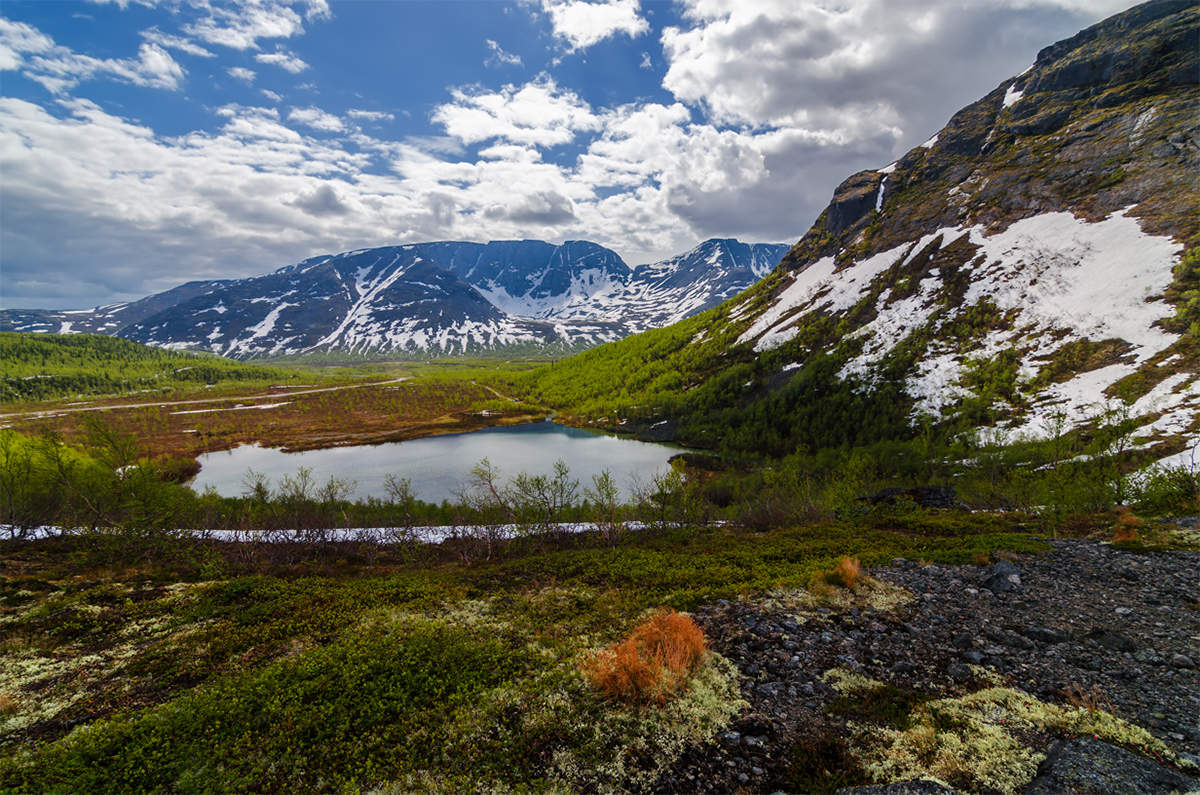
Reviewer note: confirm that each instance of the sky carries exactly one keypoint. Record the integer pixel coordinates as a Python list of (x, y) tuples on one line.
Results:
[(145, 143)]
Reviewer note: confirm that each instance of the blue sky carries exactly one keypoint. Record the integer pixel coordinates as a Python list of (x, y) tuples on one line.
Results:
[(144, 143)]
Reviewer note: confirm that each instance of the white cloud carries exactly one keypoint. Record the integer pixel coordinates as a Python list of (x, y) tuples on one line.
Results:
[(241, 73), (316, 119), (538, 113), (499, 56), (370, 115), (771, 112), (582, 23), (58, 68), (240, 26), (272, 95), (180, 43), (853, 71), (17, 40), (284, 59)]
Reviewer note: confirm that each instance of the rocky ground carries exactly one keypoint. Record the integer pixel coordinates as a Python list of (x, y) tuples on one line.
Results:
[(1085, 624)]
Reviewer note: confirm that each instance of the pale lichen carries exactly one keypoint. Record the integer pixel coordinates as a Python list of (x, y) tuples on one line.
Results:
[(974, 741)]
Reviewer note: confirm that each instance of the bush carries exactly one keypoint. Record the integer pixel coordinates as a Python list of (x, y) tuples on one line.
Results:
[(653, 663), (846, 573)]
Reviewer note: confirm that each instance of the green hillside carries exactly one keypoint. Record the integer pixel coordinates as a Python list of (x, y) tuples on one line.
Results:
[(896, 281), (47, 366)]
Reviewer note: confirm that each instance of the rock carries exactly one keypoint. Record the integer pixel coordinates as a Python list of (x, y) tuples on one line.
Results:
[(963, 641), (1111, 639), (1046, 635), (1182, 661), (853, 200), (924, 496), (1090, 767), (1006, 568), (1000, 583), (729, 738), (974, 657), (900, 788), (958, 672)]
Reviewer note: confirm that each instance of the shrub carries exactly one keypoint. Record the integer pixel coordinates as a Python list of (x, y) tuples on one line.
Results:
[(846, 573), (653, 663), (1126, 526)]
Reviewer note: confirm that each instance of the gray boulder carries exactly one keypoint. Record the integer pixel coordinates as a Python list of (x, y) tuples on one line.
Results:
[(1091, 767)]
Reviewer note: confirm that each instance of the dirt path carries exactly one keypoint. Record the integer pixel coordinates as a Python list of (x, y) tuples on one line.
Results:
[(33, 415), (496, 392)]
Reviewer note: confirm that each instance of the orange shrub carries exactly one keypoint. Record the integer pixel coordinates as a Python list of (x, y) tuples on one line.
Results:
[(653, 663), (846, 573), (1126, 527)]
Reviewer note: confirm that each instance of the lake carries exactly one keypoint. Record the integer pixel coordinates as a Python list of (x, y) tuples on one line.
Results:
[(439, 465)]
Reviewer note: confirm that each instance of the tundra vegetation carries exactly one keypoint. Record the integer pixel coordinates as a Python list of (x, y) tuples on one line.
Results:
[(138, 647)]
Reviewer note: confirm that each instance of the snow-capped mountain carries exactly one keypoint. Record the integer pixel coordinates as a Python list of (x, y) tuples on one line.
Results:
[(1032, 265), (440, 298)]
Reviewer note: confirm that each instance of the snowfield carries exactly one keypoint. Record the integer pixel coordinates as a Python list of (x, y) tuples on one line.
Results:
[(1061, 277)]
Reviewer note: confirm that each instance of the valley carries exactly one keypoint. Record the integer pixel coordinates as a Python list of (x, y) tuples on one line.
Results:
[(912, 505)]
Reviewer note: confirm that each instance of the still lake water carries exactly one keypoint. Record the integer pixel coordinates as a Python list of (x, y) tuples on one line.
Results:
[(439, 465)]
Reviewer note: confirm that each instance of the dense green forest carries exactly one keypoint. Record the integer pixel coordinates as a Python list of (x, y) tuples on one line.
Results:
[(47, 366)]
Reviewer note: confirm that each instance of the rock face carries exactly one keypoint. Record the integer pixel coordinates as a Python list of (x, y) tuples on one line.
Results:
[(446, 297), (1090, 767)]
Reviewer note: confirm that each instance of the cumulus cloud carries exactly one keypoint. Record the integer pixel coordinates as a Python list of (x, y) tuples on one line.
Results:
[(317, 119), (322, 201), (773, 103), (172, 42), (241, 73), (58, 68), (849, 71), (582, 23), (271, 95), (239, 26), (284, 59), (370, 115), (539, 113), (499, 56)]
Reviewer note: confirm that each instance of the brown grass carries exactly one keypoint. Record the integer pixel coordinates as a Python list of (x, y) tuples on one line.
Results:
[(846, 573), (1126, 526), (8, 704), (1093, 699), (652, 664), (365, 415)]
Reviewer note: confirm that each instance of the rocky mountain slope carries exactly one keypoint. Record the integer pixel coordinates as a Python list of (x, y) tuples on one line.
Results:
[(446, 297), (1032, 264)]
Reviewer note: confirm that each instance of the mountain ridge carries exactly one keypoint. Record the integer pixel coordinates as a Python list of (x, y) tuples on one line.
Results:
[(443, 297)]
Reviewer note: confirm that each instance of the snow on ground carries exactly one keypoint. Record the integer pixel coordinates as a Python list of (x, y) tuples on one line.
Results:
[(1059, 273), (817, 286), (434, 534), (929, 144), (935, 386), (1062, 406), (234, 408), (1100, 280), (1013, 95)]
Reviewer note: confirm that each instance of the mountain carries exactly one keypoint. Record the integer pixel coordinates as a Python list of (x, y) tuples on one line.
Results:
[(1031, 265), (443, 297)]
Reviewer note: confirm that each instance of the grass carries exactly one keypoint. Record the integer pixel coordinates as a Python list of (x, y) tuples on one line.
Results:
[(338, 676), (654, 663), (355, 412)]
